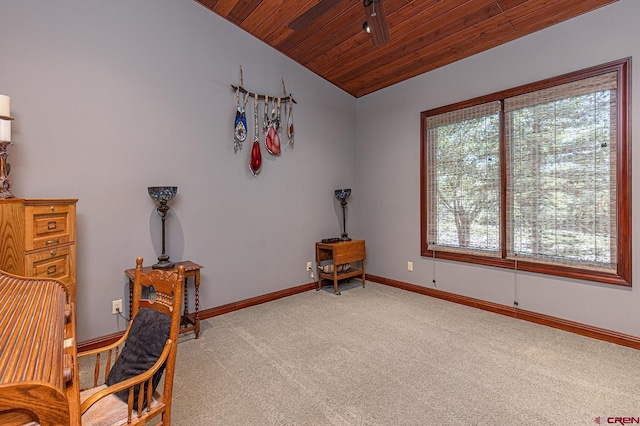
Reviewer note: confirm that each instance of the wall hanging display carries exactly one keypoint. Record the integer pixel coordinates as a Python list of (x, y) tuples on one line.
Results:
[(271, 124)]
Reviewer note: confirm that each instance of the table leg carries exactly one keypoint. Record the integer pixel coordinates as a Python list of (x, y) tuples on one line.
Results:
[(130, 297), (335, 281), (186, 298), (196, 280)]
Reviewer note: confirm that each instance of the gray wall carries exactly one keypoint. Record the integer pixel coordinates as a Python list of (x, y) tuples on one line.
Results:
[(112, 97), (388, 168)]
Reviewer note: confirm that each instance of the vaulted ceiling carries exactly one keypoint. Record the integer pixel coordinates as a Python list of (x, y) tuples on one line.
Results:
[(326, 36)]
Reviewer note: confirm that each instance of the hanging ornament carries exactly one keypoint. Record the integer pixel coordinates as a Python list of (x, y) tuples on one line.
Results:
[(275, 116), (240, 123), (255, 164), (290, 122), (240, 127), (272, 124)]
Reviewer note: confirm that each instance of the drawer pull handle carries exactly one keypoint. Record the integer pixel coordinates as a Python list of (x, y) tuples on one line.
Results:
[(51, 226), (53, 208), (56, 241), (52, 252), (52, 269)]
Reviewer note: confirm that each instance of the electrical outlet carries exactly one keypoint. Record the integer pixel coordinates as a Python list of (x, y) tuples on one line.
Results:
[(116, 306), (410, 266), (309, 267)]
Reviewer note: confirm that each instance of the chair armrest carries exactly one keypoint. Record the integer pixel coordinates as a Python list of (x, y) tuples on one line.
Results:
[(129, 383), (105, 348), (108, 350)]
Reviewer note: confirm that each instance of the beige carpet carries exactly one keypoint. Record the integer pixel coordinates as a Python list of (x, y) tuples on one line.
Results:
[(384, 356)]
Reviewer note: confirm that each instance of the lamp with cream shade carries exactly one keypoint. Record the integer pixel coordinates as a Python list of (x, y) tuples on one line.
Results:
[(5, 140)]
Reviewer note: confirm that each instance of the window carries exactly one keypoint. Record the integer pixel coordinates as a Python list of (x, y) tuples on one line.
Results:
[(463, 180), (535, 178)]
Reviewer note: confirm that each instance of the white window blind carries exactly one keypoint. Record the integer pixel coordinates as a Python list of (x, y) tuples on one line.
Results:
[(463, 180), (561, 174)]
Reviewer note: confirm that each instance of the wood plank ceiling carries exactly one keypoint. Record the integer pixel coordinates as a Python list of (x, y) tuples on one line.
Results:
[(425, 34)]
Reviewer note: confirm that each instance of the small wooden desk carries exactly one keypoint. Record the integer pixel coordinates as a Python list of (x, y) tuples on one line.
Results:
[(191, 269), (38, 356), (340, 253)]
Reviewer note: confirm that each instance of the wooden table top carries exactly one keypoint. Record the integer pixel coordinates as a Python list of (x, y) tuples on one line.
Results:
[(189, 266)]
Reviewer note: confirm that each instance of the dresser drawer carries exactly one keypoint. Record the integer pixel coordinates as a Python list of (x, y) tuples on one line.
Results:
[(48, 226), (54, 263)]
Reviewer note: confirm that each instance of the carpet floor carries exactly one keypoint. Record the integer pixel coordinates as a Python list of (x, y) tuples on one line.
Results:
[(384, 356)]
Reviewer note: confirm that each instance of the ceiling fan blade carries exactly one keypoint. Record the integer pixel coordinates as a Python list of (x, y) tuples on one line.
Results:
[(312, 14), (377, 20)]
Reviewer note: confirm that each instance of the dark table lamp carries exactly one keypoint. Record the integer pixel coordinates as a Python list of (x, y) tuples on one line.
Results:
[(342, 195), (162, 195)]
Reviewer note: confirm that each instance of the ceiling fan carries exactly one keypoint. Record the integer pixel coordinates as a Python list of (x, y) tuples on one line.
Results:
[(375, 24)]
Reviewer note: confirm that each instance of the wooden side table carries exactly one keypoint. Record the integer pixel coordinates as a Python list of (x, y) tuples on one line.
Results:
[(340, 253), (191, 269)]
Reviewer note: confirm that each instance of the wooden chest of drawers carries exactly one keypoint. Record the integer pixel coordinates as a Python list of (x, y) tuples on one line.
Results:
[(38, 239)]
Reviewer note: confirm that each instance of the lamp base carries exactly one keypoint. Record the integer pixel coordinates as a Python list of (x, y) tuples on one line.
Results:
[(5, 193), (345, 237), (5, 168), (163, 263)]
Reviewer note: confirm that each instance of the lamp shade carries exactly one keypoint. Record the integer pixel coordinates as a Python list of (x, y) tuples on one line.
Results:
[(343, 194), (162, 194)]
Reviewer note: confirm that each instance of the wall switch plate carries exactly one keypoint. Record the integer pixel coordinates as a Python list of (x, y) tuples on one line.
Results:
[(309, 267), (116, 306), (410, 266)]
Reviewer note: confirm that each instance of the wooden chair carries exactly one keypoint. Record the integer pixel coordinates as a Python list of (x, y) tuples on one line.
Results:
[(101, 404)]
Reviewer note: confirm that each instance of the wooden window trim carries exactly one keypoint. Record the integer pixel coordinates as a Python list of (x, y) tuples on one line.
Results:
[(623, 177)]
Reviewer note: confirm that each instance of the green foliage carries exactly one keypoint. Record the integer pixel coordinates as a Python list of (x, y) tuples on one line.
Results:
[(560, 159), (468, 180), (561, 178)]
